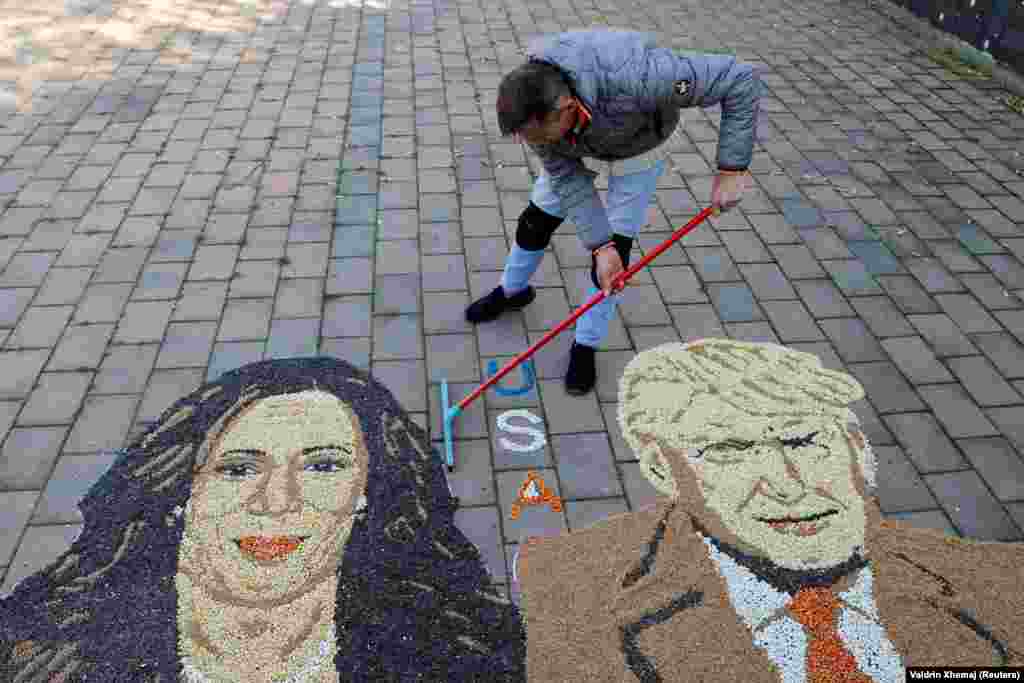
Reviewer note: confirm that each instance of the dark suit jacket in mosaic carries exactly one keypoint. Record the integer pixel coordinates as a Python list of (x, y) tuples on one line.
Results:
[(942, 601)]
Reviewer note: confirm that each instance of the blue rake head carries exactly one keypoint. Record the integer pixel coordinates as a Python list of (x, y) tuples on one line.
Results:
[(448, 416)]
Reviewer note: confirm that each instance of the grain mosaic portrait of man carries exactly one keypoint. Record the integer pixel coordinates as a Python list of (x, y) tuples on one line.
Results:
[(766, 557), (287, 522)]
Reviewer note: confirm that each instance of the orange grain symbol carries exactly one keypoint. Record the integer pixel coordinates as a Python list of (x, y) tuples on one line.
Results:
[(534, 492)]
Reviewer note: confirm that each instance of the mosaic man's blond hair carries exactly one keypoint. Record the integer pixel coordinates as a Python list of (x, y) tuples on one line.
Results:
[(749, 379)]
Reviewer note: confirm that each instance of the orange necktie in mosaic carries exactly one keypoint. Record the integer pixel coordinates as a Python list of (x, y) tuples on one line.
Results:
[(828, 660)]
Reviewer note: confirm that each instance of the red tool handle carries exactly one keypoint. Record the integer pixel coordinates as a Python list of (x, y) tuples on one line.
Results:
[(617, 285)]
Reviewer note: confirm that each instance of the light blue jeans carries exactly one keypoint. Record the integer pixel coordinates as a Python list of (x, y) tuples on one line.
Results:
[(628, 198)]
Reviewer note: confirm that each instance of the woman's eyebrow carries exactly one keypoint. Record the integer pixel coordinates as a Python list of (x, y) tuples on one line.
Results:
[(331, 447)]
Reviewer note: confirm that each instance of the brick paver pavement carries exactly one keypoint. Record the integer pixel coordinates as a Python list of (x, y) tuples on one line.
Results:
[(344, 190)]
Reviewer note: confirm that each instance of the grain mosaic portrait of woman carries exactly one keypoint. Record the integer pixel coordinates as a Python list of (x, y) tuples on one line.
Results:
[(287, 522)]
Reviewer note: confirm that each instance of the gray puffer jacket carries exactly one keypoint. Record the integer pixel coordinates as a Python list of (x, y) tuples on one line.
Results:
[(634, 91)]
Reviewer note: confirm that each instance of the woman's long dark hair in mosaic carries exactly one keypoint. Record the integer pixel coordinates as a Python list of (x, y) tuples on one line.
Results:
[(414, 601)]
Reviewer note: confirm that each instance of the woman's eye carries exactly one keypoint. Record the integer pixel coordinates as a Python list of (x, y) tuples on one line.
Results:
[(327, 466)]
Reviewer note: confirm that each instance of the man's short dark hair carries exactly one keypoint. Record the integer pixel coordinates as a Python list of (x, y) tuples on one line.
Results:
[(531, 91)]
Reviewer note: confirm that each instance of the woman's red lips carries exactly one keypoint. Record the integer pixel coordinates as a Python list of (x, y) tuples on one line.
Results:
[(265, 548)]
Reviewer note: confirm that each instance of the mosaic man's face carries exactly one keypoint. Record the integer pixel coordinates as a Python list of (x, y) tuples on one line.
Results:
[(782, 489), (271, 509)]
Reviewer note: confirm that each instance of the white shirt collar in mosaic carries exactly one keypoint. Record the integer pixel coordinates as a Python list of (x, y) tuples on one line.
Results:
[(194, 675), (785, 641)]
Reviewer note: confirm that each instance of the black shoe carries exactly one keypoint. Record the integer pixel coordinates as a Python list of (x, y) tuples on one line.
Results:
[(494, 304), (582, 373)]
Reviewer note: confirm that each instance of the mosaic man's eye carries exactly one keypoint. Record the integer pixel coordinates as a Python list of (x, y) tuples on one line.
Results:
[(236, 470)]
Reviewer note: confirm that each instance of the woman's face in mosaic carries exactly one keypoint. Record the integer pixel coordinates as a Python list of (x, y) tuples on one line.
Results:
[(271, 509)]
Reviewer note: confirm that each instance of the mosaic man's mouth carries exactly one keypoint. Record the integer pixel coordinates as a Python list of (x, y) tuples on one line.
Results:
[(807, 525)]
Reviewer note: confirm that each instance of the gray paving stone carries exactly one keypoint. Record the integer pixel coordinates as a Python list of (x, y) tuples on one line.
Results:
[(56, 398), (19, 371), (472, 482), (102, 424), (264, 243), (164, 388), (699, 321), (586, 466), (187, 345), (586, 513), (734, 302), (397, 257), (534, 520), (648, 337), (347, 317), (852, 277), (916, 360), (925, 519), (752, 332), (972, 508), (349, 276), (27, 457), (1010, 421), (17, 508), (774, 228), (452, 357), (956, 411), (549, 309), (909, 296), (293, 338), (983, 381), (200, 301), (213, 262), (8, 412), (82, 346), (72, 478), (143, 321), (444, 273), (255, 279), (900, 487), (125, 369), (999, 464), (1004, 351), (565, 413), (482, 528), (13, 303), (1007, 270), (29, 269), (713, 264), (229, 356), (304, 260), (504, 336), (886, 388), (967, 313), (882, 316), (639, 491), (120, 265), (246, 320), (299, 298), (746, 247), (397, 337), (40, 327), (440, 238), (355, 350), (445, 312), (767, 281), (852, 340), (610, 365), (942, 334), (823, 299), (924, 442), (40, 546), (62, 286)]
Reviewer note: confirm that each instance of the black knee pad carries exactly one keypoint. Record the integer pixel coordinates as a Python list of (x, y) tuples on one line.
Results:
[(623, 245), (535, 228)]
